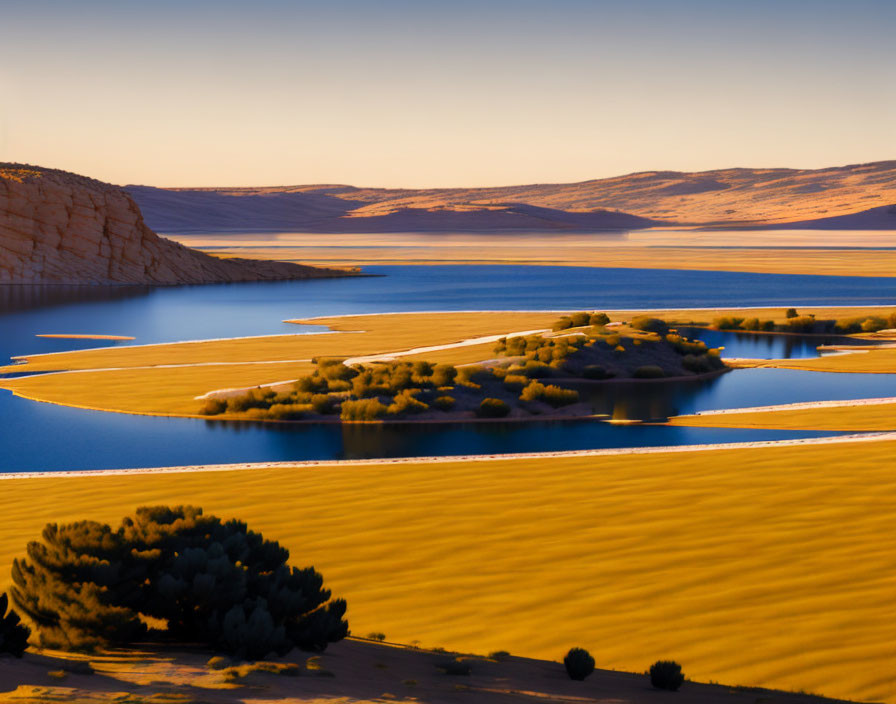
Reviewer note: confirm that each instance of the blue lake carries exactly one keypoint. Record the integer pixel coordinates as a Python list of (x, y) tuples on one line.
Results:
[(37, 436)]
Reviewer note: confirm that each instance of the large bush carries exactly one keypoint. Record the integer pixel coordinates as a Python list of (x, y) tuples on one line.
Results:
[(86, 585), (579, 663), (492, 408), (13, 634)]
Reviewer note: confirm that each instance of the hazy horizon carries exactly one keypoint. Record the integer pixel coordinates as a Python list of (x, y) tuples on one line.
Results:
[(427, 94)]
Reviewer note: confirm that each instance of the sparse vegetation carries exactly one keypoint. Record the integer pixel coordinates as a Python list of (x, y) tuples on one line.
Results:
[(86, 585), (666, 674), (518, 383), (455, 666), (808, 324), (578, 663)]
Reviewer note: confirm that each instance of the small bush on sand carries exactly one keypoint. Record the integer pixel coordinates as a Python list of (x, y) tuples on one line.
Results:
[(213, 407), (790, 313), (377, 636), (578, 663), (648, 324), (444, 403), (362, 409), (599, 319), (666, 674), (557, 396), (492, 408)]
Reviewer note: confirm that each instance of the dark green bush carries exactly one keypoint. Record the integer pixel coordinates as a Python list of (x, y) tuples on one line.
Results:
[(599, 319), (649, 371), (791, 313), (444, 403), (213, 407), (728, 322), (579, 664), (563, 323), (362, 409), (874, 323), (648, 324), (557, 396), (595, 371), (492, 408), (580, 319), (87, 585), (666, 674), (13, 633)]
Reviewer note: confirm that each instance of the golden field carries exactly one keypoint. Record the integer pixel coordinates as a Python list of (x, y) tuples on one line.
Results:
[(768, 566)]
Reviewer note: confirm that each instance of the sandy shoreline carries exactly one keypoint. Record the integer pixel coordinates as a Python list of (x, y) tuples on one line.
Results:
[(345, 464)]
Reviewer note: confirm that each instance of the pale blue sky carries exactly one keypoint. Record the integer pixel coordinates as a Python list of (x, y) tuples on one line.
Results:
[(401, 93)]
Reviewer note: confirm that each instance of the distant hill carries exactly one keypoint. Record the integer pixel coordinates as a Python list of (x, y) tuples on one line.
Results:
[(861, 196), (58, 227)]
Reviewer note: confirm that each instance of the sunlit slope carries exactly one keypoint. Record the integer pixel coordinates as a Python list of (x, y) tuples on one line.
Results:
[(768, 566)]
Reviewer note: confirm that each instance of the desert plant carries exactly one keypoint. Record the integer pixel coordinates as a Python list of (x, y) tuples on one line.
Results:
[(213, 407), (13, 633), (492, 408), (666, 674), (362, 409), (377, 636), (649, 324), (86, 585), (599, 319), (444, 403), (790, 313), (579, 663)]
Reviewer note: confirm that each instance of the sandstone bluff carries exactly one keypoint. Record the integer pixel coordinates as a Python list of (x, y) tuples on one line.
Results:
[(61, 228)]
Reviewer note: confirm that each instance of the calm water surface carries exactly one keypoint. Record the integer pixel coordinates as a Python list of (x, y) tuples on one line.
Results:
[(36, 436)]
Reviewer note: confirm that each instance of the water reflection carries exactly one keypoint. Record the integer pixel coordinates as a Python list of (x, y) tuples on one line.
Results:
[(753, 345), (19, 298)]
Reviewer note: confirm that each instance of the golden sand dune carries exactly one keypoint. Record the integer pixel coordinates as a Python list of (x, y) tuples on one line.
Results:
[(771, 566)]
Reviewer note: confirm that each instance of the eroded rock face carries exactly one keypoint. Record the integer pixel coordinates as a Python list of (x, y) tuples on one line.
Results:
[(58, 227)]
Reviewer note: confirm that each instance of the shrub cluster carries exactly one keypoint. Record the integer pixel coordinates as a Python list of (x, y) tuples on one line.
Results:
[(86, 585), (807, 324), (578, 320)]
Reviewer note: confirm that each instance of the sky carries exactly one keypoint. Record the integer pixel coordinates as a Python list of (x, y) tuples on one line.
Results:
[(418, 93)]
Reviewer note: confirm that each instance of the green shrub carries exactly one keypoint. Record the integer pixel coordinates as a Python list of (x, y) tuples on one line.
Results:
[(666, 674), (533, 392), (791, 313), (443, 375), (492, 408), (87, 585), (444, 403), (563, 323), (580, 319), (213, 407), (557, 396), (648, 324), (649, 371), (728, 322), (362, 409), (805, 324), (599, 319), (874, 323), (579, 664), (849, 326), (406, 402), (595, 371), (13, 633), (537, 370), (377, 636), (515, 382), (335, 369)]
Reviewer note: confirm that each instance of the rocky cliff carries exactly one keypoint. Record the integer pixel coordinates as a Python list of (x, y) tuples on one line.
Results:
[(61, 228)]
